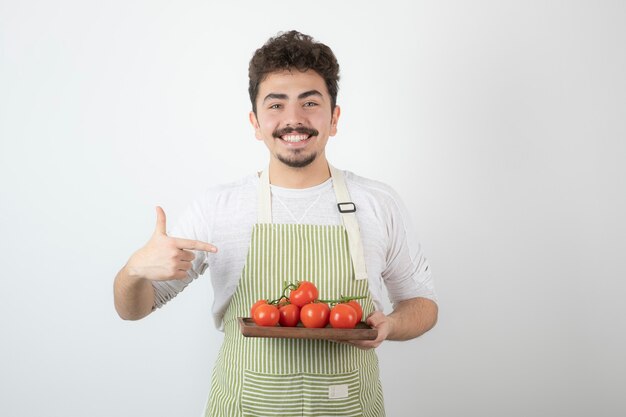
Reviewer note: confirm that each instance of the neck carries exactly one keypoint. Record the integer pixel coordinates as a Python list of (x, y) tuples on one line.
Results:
[(285, 176)]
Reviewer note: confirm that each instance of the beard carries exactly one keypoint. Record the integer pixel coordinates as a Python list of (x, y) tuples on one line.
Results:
[(297, 160)]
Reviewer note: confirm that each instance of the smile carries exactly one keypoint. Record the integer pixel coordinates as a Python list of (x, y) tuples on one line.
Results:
[(291, 138)]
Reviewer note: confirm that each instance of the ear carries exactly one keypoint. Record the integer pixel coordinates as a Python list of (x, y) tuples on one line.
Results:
[(334, 120), (255, 125)]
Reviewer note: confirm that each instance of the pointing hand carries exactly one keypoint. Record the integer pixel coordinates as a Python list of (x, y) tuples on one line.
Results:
[(165, 257)]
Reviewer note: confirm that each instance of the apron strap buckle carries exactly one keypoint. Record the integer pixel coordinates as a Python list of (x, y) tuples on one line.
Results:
[(349, 207)]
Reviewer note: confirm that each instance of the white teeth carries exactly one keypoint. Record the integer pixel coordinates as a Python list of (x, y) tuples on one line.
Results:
[(294, 138)]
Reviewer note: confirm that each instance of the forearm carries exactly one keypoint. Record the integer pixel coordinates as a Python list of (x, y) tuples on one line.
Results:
[(134, 296), (412, 318)]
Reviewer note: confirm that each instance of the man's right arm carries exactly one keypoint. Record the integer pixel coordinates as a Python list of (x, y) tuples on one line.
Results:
[(162, 258), (134, 296)]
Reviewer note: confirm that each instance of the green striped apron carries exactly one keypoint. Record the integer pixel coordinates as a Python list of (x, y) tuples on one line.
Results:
[(265, 377)]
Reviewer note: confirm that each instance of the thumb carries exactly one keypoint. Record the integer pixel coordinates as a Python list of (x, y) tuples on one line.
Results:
[(374, 319), (160, 228)]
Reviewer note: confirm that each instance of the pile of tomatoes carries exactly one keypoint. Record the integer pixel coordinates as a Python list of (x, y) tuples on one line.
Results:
[(302, 305)]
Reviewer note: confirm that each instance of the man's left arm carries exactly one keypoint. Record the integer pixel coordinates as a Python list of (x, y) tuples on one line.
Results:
[(406, 276), (410, 318)]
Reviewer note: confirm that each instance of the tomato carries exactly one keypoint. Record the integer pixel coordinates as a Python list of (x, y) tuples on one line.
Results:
[(314, 315), (357, 307), (343, 316), (266, 315), (289, 315), (305, 293), (255, 305)]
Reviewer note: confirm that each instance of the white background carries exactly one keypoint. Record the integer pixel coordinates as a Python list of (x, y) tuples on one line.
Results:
[(502, 125)]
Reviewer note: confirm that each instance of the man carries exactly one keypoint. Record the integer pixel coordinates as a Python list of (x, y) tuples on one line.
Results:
[(300, 219)]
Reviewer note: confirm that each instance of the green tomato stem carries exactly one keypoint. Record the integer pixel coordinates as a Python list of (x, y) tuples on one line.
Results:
[(342, 299)]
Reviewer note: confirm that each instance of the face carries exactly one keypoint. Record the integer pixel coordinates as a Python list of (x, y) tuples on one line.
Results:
[(293, 117)]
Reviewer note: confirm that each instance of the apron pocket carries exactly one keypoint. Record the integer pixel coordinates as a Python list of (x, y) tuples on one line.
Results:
[(331, 395), (265, 395), (291, 395)]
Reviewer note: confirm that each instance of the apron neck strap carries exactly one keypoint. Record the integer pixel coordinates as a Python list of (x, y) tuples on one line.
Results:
[(264, 211), (346, 209)]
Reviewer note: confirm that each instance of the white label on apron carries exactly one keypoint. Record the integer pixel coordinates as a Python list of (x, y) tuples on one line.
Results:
[(338, 391)]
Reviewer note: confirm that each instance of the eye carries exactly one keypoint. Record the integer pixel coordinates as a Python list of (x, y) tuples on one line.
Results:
[(310, 104), (275, 106)]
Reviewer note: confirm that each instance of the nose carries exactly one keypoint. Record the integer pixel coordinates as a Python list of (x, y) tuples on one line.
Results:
[(294, 115)]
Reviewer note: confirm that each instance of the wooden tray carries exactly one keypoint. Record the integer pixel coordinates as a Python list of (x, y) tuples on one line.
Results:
[(361, 332)]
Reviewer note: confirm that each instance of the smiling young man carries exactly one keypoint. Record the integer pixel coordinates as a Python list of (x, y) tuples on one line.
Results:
[(299, 219), (295, 116)]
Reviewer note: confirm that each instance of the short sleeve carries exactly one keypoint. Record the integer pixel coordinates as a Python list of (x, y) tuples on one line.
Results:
[(407, 273)]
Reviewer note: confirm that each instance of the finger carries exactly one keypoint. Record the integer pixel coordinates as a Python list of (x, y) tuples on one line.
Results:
[(180, 275), (194, 245), (186, 255), (360, 344), (183, 266), (375, 318), (160, 224)]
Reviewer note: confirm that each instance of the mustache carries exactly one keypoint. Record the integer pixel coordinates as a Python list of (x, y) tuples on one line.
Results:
[(300, 129)]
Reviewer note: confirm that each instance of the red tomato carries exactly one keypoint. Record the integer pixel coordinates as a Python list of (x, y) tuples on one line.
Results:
[(314, 315), (266, 315), (289, 315), (255, 305), (305, 293), (357, 307), (343, 316)]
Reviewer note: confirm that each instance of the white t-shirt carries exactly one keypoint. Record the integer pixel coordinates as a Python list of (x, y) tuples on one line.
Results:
[(224, 215)]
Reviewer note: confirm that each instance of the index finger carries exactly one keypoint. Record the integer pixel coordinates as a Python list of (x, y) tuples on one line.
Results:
[(194, 245), (361, 344)]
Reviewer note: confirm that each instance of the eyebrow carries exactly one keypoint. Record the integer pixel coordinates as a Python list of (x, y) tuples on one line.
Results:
[(278, 96), (309, 94)]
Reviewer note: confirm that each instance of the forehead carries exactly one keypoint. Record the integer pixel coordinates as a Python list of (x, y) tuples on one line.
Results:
[(291, 82)]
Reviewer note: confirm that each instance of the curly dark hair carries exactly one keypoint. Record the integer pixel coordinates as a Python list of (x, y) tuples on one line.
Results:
[(289, 50)]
